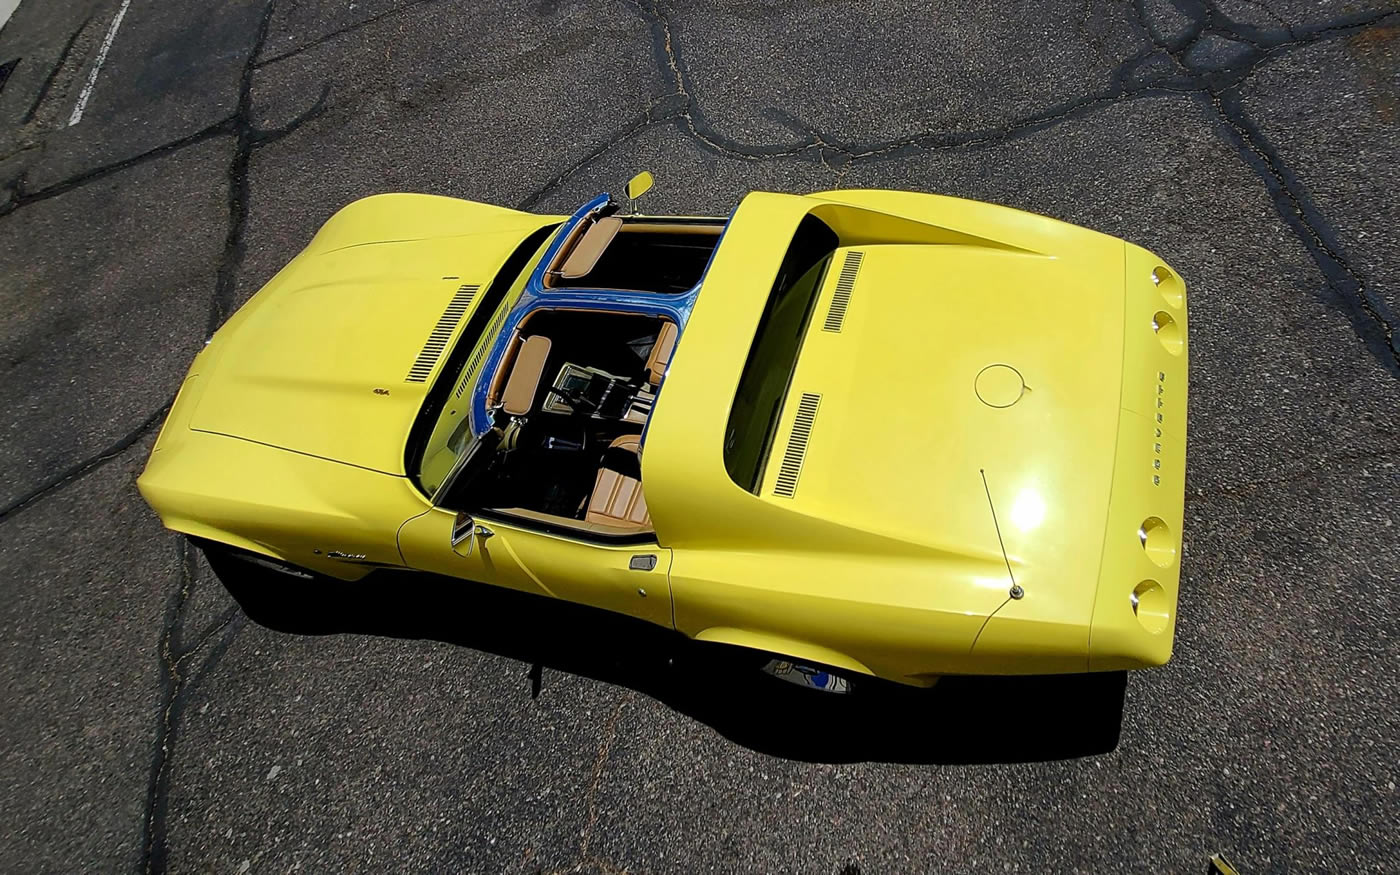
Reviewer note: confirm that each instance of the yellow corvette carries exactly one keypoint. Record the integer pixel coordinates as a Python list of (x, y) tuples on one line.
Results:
[(872, 432)]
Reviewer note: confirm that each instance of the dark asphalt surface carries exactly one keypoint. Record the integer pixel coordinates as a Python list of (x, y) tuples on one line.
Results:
[(148, 725)]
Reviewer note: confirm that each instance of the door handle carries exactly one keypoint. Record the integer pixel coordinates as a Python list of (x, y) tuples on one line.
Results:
[(643, 563)]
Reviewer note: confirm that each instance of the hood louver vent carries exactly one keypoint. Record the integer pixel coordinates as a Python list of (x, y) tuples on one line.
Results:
[(437, 341), (470, 374), (845, 284), (796, 451)]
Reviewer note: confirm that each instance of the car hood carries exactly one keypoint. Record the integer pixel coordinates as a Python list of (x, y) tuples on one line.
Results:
[(334, 356)]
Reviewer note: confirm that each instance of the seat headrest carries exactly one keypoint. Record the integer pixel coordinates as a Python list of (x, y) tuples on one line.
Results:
[(660, 357)]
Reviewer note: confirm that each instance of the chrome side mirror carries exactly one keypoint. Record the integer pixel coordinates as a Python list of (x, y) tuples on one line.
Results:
[(638, 186), (465, 533)]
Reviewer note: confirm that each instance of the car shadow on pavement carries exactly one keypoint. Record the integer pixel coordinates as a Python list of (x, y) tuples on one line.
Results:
[(960, 720)]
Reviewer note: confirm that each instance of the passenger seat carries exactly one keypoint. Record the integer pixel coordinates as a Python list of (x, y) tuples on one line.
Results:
[(617, 498)]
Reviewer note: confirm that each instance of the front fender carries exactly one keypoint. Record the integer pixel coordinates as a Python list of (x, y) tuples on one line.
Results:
[(385, 218)]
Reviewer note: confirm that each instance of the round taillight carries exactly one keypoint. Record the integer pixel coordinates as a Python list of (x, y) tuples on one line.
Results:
[(1157, 541), (1172, 289), (1150, 606), (1168, 331)]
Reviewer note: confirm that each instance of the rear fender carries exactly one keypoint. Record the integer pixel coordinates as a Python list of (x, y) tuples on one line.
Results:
[(781, 646)]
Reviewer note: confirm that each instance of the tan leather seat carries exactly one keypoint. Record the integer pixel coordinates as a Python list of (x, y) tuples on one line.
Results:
[(617, 498), (660, 357)]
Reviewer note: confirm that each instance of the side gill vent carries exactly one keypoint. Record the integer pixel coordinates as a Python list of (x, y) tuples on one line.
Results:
[(796, 450), (845, 284), (437, 340), (470, 374)]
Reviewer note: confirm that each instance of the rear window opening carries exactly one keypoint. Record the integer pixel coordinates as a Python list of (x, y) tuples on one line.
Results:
[(772, 360), (667, 256)]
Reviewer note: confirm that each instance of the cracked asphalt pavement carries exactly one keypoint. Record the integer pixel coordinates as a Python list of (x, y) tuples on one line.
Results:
[(147, 725)]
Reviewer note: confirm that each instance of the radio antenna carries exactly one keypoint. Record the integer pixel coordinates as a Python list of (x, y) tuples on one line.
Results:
[(1016, 591)]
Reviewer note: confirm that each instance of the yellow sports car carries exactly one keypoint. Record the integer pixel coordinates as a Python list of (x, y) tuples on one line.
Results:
[(862, 432)]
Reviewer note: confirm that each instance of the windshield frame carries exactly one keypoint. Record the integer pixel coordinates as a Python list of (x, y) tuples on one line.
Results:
[(522, 280), (510, 274), (470, 465)]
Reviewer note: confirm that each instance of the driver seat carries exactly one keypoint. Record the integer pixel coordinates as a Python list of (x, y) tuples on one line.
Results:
[(617, 498)]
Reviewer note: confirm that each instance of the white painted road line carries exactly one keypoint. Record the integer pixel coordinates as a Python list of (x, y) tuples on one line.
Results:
[(7, 8), (78, 108)]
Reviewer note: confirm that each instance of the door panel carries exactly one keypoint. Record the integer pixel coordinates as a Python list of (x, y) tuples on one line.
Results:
[(598, 575), (426, 544)]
